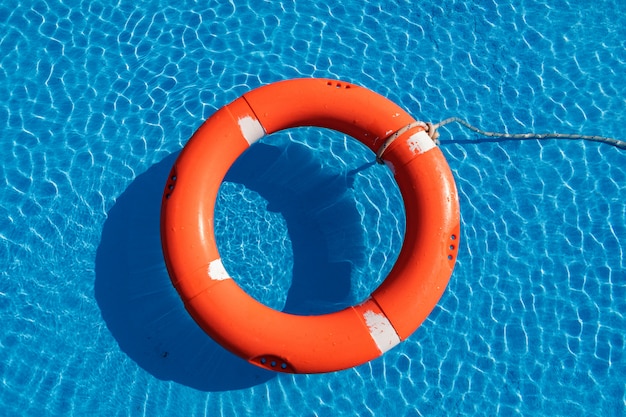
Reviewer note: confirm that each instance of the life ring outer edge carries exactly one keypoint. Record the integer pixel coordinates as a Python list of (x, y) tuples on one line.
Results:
[(307, 344)]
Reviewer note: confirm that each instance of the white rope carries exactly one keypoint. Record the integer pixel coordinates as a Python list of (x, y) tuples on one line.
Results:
[(522, 136)]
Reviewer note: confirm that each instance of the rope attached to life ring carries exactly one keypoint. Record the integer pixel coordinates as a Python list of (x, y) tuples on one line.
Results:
[(431, 129), (521, 136), (427, 126)]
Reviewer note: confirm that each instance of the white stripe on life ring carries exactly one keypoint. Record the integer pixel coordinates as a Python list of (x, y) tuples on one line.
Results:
[(420, 142), (381, 330), (216, 271), (251, 129)]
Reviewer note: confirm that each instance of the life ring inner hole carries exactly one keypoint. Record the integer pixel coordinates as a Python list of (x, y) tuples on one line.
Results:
[(307, 223)]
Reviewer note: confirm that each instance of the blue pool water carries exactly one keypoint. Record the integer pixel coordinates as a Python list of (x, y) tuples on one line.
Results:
[(98, 99)]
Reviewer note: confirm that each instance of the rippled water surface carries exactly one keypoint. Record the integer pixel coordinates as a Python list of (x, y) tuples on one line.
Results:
[(98, 100)]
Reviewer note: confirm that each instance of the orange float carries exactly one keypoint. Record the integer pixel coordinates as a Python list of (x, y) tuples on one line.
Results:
[(329, 342)]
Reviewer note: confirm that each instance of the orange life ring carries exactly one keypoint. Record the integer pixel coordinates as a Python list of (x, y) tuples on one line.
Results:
[(329, 342)]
